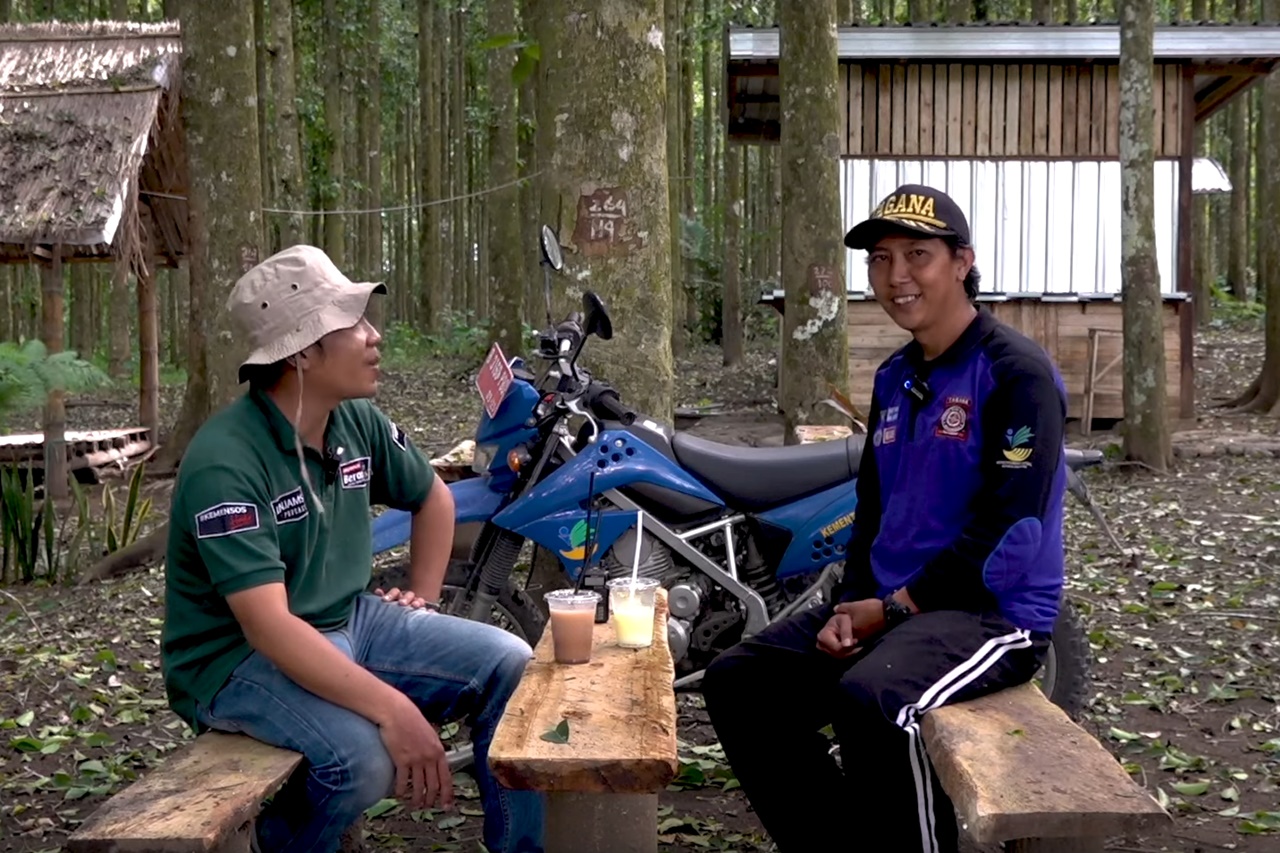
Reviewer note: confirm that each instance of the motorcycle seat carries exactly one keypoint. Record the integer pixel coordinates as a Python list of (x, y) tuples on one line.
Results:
[(757, 478)]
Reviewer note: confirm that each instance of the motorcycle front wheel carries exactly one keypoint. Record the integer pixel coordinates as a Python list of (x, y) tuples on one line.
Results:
[(1064, 677)]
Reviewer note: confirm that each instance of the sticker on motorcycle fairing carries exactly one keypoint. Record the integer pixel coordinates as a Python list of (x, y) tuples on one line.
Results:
[(291, 506), (398, 436), (355, 474), (226, 519)]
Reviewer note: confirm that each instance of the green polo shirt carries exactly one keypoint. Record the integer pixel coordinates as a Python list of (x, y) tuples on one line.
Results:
[(241, 516)]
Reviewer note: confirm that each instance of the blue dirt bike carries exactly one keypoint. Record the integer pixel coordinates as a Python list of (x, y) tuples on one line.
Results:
[(739, 536)]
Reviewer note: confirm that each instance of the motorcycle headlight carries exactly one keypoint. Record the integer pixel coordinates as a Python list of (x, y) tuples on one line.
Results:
[(483, 457)]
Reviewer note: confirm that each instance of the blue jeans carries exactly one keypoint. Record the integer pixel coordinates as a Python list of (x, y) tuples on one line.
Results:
[(451, 668)]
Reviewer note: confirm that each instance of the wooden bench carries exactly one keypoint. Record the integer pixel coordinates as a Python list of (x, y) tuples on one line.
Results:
[(204, 798), (1019, 771), (602, 785)]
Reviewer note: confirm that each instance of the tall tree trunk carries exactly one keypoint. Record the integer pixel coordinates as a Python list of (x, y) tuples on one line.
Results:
[(709, 123), (506, 272), (1267, 398), (1146, 427), (372, 132), (688, 44), (671, 55), (81, 309), (262, 100), (528, 154), (603, 93), (335, 235), (177, 280), (1202, 256), (458, 232), (286, 142), (430, 306), (731, 299), (148, 353), (225, 198), (119, 312), (55, 411), (815, 349), (1238, 245)]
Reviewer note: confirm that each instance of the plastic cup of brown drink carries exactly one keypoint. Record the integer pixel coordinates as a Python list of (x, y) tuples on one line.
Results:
[(573, 619)]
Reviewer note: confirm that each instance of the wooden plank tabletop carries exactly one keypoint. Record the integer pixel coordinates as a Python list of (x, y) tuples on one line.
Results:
[(621, 712)]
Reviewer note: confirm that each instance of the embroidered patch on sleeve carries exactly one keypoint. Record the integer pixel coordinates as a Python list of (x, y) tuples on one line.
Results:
[(1019, 449), (226, 519), (398, 436), (291, 506), (355, 474)]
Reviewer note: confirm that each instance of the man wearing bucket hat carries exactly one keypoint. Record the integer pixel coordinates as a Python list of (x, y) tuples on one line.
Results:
[(268, 628), (954, 567)]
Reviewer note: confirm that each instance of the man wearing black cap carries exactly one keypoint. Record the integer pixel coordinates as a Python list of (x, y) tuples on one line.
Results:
[(954, 569)]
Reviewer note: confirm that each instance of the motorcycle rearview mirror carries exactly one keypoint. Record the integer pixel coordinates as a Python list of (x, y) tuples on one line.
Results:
[(597, 316), (552, 258), (551, 249)]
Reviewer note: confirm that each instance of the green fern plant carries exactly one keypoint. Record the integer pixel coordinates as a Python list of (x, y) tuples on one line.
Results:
[(28, 374)]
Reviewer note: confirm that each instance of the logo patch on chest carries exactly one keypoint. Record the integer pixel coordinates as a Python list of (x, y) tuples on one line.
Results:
[(226, 519), (291, 506), (954, 422), (355, 474)]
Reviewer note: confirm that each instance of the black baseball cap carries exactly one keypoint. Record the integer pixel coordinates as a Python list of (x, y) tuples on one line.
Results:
[(913, 208)]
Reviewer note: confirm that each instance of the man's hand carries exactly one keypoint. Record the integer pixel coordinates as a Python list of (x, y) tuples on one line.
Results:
[(422, 772), (407, 598), (836, 637), (851, 623)]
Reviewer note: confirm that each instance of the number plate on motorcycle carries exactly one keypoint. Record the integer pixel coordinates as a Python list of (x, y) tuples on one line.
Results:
[(494, 380)]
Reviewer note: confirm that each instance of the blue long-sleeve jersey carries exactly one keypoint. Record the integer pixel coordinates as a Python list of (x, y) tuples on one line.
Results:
[(962, 483)]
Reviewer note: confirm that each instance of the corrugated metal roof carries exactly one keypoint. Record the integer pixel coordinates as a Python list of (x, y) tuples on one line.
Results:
[(1205, 42), (1044, 228)]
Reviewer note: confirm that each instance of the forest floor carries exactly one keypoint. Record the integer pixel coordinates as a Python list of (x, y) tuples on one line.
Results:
[(1184, 629)]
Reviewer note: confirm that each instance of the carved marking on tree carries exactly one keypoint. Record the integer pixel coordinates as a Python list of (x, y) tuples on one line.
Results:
[(603, 225), (822, 279), (248, 257)]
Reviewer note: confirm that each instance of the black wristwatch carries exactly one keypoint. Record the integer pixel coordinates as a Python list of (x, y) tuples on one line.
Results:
[(895, 612)]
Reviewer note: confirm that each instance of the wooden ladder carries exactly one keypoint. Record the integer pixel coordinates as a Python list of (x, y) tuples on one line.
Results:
[(1093, 375)]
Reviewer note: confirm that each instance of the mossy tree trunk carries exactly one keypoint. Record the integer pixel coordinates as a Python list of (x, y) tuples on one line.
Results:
[(731, 300), (671, 58), (55, 410), (603, 92), (1238, 234), (430, 257), (506, 236), (221, 126), (1146, 427), (287, 145), (815, 348), (1263, 395)]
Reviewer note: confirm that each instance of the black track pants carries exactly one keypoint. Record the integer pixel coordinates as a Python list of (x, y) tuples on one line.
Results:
[(769, 695)]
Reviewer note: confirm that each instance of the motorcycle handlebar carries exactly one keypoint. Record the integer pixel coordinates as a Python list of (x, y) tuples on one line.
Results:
[(607, 405)]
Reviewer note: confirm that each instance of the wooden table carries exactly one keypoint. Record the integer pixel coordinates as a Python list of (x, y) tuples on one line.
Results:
[(602, 785)]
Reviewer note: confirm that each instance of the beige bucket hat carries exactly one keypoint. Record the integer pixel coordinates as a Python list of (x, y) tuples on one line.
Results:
[(293, 299)]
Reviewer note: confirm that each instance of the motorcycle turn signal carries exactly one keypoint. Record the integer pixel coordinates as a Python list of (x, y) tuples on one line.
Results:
[(517, 458)]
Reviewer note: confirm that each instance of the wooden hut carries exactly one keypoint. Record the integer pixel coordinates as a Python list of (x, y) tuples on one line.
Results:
[(989, 101), (94, 169)]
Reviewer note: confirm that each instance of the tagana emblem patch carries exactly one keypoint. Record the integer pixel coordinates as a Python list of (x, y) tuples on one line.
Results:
[(954, 422)]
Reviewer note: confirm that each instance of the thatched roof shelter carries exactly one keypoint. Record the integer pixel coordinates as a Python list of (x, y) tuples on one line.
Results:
[(91, 142)]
